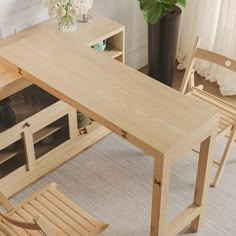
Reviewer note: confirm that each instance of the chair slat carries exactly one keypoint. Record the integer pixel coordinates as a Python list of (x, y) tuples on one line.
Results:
[(61, 215), (34, 212), (34, 195), (223, 133), (29, 232), (24, 215), (50, 216), (51, 211), (73, 206), (216, 101), (15, 231), (6, 230), (222, 126), (225, 122), (225, 118), (68, 211), (1, 234), (225, 115)]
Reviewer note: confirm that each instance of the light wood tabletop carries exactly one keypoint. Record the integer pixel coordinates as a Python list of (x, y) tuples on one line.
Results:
[(117, 96), (150, 115)]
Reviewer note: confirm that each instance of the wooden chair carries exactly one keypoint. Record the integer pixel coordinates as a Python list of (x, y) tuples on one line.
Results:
[(47, 212), (227, 124)]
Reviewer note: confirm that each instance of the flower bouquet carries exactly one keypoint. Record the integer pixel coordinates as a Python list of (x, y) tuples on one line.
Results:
[(66, 12)]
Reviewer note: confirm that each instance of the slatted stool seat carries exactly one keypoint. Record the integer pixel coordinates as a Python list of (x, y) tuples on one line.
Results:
[(47, 212)]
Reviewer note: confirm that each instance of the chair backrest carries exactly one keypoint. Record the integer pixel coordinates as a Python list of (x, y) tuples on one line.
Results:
[(212, 57)]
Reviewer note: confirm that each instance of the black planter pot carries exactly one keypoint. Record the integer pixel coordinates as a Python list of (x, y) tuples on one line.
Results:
[(162, 44)]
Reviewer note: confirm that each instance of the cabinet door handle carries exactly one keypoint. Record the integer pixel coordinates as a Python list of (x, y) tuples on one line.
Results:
[(27, 124)]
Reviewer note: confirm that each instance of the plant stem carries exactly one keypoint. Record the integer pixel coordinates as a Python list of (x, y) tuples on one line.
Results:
[(67, 7)]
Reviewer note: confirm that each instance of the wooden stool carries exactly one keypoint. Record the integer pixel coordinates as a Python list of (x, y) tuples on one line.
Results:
[(47, 212)]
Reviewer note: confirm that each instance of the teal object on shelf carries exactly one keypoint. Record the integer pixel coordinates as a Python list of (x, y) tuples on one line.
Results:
[(100, 46)]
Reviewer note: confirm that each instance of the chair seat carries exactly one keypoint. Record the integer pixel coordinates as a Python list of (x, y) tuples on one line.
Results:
[(227, 111), (61, 214)]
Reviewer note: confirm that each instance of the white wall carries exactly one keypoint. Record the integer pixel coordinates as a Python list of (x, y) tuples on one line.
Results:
[(16, 15)]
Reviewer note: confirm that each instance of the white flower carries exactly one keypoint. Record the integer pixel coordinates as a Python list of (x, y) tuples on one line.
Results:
[(60, 8), (73, 11), (60, 12)]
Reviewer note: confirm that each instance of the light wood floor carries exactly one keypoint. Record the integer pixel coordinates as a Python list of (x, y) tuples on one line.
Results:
[(208, 86)]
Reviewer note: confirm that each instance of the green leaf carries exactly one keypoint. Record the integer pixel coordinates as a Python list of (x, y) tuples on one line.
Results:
[(146, 4), (168, 8), (153, 10), (182, 3), (169, 2), (153, 14)]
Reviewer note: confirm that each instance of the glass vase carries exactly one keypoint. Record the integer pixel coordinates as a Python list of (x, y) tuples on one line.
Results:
[(67, 23)]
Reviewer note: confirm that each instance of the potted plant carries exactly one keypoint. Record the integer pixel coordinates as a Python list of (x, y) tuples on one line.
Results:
[(163, 17)]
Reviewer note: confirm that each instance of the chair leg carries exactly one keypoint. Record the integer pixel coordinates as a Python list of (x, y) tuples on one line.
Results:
[(224, 157)]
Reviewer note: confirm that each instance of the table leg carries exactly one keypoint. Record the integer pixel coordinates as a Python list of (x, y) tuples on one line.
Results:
[(160, 192), (205, 164)]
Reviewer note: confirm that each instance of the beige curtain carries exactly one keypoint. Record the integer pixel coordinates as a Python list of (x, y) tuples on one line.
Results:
[(214, 21)]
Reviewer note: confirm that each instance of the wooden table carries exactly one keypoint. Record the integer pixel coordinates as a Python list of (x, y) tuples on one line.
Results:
[(154, 117)]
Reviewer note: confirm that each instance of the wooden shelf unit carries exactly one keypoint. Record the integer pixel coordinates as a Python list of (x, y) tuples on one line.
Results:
[(114, 54), (22, 148), (6, 155), (32, 156), (37, 137), (114, 46), (45, 132)]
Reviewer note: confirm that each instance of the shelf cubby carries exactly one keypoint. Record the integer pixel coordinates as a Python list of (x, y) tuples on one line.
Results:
[(12, 157), (115, 46), (113, 53)]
